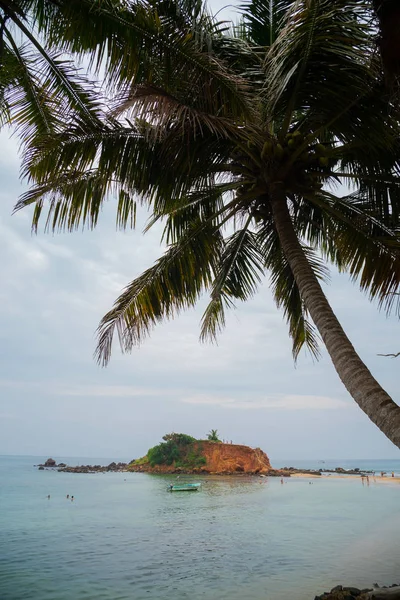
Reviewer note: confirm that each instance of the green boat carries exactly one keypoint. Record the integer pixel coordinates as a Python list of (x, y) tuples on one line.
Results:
[(184, 487)]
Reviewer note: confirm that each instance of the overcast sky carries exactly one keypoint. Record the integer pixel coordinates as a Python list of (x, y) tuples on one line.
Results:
[(55, 400)]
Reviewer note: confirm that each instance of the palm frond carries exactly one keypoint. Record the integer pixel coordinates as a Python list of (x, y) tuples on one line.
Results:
[(264, 19), (75, 199), (174, 283), (353, 238), (132, 157), (143, 43), (322, 69), (239, 273)]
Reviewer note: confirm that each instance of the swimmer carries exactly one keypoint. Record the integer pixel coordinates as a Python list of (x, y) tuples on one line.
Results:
[(48, 497), (67, 496)]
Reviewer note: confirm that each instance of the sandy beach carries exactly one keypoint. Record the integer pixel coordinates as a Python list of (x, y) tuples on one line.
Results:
[(372, 479)]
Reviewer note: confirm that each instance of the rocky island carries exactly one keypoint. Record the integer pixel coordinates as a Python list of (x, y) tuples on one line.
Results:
[(181, 453)]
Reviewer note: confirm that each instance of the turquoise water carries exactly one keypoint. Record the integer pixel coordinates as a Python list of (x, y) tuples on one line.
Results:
[(125, 537)]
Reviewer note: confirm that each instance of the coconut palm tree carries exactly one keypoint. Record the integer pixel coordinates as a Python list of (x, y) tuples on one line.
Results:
[(40, 87), (212, 436), (237, 139)]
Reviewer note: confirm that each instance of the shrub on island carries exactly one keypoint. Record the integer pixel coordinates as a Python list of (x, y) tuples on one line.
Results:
[(177, 448)]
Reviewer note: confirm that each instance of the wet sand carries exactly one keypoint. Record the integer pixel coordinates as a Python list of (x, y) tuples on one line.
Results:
[(372, 479)]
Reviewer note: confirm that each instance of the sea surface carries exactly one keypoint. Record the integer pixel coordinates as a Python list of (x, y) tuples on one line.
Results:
[(124, 537)]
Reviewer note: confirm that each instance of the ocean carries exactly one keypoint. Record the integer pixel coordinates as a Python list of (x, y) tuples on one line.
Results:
[(124, 537)]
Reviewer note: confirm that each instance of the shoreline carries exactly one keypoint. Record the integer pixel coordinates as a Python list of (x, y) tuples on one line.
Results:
[(275, 473), (372, 479)]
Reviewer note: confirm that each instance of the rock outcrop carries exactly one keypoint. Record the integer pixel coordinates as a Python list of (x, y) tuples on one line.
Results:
[(223, 459), (112, 467), (349, 593)]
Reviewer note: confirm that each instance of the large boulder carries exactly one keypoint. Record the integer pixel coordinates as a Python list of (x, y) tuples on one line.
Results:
[(50, 462)]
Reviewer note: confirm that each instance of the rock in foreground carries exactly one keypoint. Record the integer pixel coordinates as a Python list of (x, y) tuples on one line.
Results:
[(349, 593)]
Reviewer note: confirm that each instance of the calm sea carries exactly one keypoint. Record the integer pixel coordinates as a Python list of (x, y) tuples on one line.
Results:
[(126, 538)]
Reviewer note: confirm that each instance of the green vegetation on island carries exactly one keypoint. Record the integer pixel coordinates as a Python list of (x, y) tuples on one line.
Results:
[(180, 449)]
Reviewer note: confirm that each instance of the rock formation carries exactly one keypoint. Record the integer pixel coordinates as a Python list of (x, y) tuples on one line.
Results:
[(349, 593), (220, 459)]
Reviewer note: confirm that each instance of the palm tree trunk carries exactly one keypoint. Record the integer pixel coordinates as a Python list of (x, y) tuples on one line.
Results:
[(388, 14), (358, 380)]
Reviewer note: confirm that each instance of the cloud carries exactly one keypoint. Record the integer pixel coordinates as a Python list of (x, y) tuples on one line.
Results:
[(24, 254), (110, 391), (280, 402)]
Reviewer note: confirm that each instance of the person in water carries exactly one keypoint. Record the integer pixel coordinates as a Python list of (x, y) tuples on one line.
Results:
[(67, 496)]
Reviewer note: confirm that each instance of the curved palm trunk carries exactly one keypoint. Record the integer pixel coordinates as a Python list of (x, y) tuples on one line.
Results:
[(358, 380), (388, 13)]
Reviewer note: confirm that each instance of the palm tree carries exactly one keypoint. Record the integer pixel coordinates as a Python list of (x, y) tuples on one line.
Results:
[(212, 436), (40, 87), (237, 140)]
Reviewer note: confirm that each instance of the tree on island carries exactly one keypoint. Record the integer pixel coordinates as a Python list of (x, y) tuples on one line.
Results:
[(179, 449), (212, 436), (237, 138)]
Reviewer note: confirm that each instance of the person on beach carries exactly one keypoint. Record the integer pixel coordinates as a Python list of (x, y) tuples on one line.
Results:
[(392, 474), (281, 479)]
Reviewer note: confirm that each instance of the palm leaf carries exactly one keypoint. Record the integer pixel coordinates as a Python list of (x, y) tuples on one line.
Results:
[(264, 19), (174, 283), (237, 278), (352, 237)]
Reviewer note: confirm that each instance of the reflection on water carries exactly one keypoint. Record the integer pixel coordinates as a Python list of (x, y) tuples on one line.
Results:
[(125, 537)]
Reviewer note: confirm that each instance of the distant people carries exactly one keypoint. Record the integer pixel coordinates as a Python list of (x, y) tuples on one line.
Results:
[(72, 498), (67, 496), (48, 497), (367, 478), (392, 474), (281, 479)]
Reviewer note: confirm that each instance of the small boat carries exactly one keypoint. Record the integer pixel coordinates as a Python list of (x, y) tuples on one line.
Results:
[(184, 487)]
